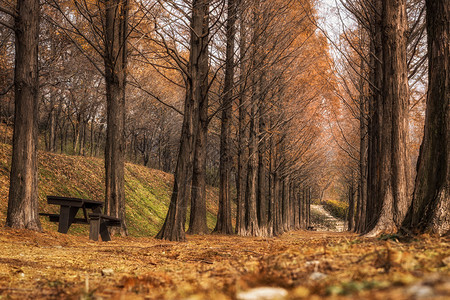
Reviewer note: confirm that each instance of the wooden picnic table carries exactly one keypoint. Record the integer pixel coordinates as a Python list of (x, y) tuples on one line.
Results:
[(69, 208)]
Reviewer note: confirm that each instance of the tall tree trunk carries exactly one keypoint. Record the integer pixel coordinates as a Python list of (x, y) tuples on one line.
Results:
[(430, 209), (76, 134), (277, 220), (363, 167), (197, 221), (224, 214), (271, 215), (261, 190), (52, 126), (173, 227), (116, 20), (285, 204), (251, 218), (308, 195), (374, 120), (357, 208), (279, 188), (299, 207), (92, 135), (242, 128), (393, 188), (294, 210), (23, 190), (351, 207)]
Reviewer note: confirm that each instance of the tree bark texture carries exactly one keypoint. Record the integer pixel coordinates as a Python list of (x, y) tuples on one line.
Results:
[(197, 220), (115, 78), (308, 208), (374, 118), (261, 194), (351, 208), (251, 218), (224, 212), (278, 221), (393, 185), (430, 209), (363, 166), (23, 190), (242, 133), (285, 203), (174, 223), (271, 214)]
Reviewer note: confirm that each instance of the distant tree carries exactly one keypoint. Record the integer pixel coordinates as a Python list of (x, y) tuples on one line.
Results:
[(430, 208), (23, 191)]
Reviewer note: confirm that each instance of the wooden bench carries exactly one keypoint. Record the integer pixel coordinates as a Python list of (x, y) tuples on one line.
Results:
[(69, 208), (55, 218), (99, 224)]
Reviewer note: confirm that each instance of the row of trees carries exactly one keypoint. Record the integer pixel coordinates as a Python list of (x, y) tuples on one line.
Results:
[(385, 72), (251, 86), (270, 49), (243, 79)]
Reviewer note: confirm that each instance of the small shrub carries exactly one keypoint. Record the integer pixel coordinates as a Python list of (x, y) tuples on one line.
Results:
[(337, 209)]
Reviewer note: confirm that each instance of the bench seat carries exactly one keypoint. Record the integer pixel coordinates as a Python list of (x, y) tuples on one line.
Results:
[(99, 224), (55, 218)]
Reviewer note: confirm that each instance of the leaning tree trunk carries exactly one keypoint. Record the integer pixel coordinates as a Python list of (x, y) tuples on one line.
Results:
[(197, 220), (430, 209), (224, 214), (115, 78), (393, 161), (23, 190)]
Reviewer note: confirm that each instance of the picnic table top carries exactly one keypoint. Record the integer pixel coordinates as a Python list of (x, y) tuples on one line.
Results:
[(74, 202)]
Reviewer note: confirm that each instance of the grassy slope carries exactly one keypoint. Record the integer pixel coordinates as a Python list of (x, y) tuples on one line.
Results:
[(147, 191)]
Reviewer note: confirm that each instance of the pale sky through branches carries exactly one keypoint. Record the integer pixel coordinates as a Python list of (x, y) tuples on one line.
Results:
[(333, 20)]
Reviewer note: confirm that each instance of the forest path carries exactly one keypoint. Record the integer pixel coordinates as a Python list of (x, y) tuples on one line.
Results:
[(325, 221)]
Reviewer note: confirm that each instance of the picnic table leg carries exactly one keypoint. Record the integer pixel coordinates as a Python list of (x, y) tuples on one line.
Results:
[(94, 228), (66, 217), (104, 233)]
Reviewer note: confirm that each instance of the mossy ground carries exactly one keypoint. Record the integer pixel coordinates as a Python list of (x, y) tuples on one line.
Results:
[(147, 191)]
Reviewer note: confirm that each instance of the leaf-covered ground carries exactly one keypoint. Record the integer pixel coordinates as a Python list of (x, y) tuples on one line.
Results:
[(308, 265)]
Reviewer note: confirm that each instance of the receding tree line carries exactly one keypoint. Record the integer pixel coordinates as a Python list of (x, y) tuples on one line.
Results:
[(248, 87), (383, 196)]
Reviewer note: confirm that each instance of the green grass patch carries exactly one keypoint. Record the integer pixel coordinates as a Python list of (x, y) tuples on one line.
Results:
[(337, 209), (147, 191)]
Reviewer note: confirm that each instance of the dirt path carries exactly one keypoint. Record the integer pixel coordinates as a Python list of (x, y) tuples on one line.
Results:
[(331, 222)]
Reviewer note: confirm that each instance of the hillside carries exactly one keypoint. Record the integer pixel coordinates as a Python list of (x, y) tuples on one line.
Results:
[(147, 191)]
